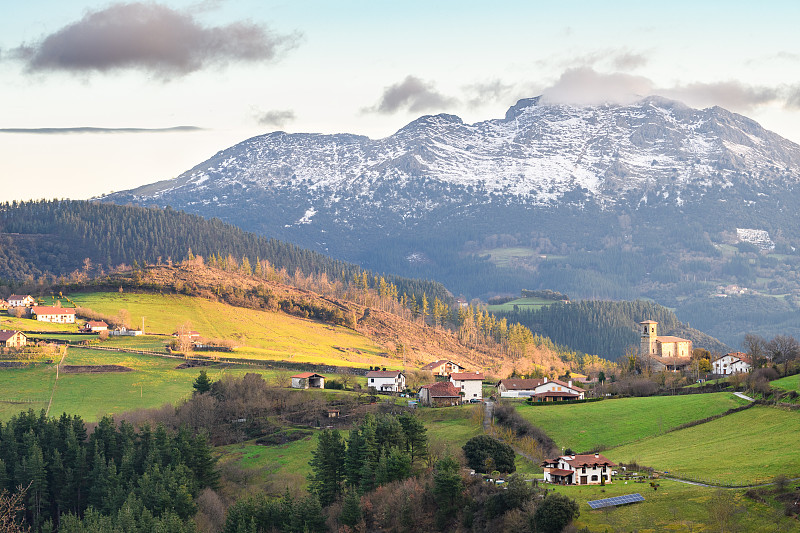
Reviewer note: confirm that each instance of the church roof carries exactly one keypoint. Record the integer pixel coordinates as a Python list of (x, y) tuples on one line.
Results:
[(669, 338)]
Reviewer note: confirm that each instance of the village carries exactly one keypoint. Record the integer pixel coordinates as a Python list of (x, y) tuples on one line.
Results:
[(453, 384)]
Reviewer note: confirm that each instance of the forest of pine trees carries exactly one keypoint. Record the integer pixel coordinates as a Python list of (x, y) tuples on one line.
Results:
[(148, 477)]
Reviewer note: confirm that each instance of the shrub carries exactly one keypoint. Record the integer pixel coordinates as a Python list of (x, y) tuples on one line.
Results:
[(555, 513), (483, 450)]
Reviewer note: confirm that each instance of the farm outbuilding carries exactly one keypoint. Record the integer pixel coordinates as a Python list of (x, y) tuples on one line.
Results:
[(308, 380)]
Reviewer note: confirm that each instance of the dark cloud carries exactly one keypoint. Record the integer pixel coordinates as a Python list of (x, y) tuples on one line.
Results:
[(276, 117), (151, 37), (86, 129), (411, 94)]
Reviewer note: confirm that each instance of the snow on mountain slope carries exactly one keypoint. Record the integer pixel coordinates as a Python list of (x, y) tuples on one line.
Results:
[(535, 155)]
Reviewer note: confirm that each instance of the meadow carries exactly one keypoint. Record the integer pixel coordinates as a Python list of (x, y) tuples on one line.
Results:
[(584, 427), (674, 506), (259, 335), (521, 303), (788, 383), (749, 447)]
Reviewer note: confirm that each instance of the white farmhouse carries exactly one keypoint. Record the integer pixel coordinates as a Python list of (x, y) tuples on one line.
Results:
[(20, 300), (589, 469), (59, 315), (386, 381), (732, 363), (552, 390), (470, 383)]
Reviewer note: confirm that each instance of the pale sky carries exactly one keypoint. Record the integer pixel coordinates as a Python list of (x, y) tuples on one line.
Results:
[(223, 71)]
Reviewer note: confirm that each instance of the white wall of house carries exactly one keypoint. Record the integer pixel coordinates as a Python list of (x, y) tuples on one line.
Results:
[(729, 364), (391, 384), (472, 388), (552, 386), (61, 318)]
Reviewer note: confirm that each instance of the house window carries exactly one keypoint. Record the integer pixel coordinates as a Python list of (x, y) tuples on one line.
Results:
[(584, 469), (372, 380), (594, 478)]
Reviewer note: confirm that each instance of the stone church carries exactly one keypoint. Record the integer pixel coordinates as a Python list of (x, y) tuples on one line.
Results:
[(667, 352)]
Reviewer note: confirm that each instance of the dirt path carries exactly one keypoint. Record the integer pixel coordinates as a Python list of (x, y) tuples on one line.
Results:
[(743, 397)]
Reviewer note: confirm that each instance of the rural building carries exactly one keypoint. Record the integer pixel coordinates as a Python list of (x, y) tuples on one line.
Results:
[(307, 380), (442, 393), (589, 469), (125, 332), (555, 390), (12, 339), (443, 367), (664, 352), (190, 334), (20, 300), (663, 346), (386, 381), (3, 304), (95, 326), (518, 388), (732, 363), (59, 315), (469, 383)]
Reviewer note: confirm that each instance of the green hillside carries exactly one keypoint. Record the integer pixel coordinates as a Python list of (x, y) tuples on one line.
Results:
[(587, 426), (260, 335), (749, 447)]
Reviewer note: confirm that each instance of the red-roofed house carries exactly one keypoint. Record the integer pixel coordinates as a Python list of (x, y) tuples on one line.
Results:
[(386, 381), (589, 469), (440, 393), (518, 388), (554, 390), (61, 315), (94, 326), (20, 300), (443, 367), (732, 363), (12, 339), (305, 380), (470, 383)]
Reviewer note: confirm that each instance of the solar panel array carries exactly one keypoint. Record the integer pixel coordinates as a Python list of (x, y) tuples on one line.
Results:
[(616, 500)]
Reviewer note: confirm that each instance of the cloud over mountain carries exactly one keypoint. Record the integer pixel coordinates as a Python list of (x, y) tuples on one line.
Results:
[(411, 94)]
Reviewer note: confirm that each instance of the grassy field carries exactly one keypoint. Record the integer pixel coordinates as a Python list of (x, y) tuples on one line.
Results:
[(749, 447), (787, 383), (27, 324), (453, 426), (522, 303), (261, 335), (673, 507), (271, 467), (609, 423), (154, 382)]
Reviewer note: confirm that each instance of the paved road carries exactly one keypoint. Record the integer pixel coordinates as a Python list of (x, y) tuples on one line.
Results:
[(743, 397), (488, 407)]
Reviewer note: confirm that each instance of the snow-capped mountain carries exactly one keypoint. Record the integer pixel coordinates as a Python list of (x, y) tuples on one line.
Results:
[(536, 155), (552, 177)]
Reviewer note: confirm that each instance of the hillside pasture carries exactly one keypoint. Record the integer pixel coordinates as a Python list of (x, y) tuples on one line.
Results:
[(260, 335), (789, 383), (587, 426), (25, 388), (674, 506), (749, 447), (522, 303), (28, 324)]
